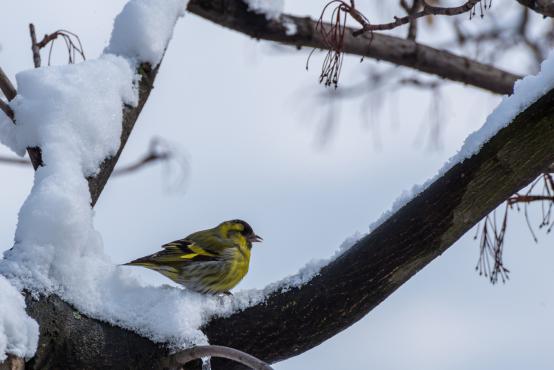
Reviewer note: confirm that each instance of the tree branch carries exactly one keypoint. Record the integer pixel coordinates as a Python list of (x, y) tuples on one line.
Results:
[(154, 154), (235, 15), (13, 363), (412, 29), (6, 86), (544, 7), (15, 160), (35, 49), (7, 110), (184, 357)]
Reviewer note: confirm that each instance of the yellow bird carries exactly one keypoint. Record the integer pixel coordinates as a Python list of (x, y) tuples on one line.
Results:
[(209, 261)]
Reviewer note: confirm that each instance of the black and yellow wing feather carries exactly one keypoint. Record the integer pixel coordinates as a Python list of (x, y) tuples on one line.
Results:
[(177, 252)]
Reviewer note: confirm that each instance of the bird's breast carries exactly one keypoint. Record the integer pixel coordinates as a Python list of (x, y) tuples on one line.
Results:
[(238, 267)]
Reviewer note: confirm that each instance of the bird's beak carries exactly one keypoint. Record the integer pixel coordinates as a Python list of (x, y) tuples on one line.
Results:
[(255, 238)]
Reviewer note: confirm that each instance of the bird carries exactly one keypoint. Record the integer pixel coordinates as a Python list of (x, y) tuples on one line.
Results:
[(211, 261)]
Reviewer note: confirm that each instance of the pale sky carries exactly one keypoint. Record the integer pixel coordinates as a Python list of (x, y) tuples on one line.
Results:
[(247, 118)]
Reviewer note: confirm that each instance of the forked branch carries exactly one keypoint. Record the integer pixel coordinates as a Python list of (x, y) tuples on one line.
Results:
[(72, 43)]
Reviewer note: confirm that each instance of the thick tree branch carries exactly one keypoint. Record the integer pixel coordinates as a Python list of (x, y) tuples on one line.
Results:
[(289, 323), (544, 7), (407, 53)]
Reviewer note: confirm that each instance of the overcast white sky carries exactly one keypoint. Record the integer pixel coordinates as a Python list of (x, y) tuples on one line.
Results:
[(247, 118)]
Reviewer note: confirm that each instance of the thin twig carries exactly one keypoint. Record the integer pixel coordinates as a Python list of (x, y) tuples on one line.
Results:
[(10, 93), (14, 160), (410, 10), (157, 153), (492, 236), (427, 10), (73, 47), (6, 86), (34, 46), (180, 358), (7, 110)]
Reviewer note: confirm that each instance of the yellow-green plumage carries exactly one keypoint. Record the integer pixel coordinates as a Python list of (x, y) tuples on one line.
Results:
[(208, 261)]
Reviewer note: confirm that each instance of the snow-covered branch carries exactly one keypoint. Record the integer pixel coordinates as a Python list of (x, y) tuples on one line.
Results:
[(92, 314)]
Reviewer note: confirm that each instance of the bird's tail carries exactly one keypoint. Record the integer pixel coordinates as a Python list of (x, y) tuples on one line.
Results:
[(168, 271), (144, 261)]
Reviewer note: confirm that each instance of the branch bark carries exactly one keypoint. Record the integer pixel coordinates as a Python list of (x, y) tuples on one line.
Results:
[(13, 363), (408, 53), (289, 323)]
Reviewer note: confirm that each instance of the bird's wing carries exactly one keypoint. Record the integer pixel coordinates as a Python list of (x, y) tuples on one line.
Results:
[(186, 250), (210, 241), (202, 246)]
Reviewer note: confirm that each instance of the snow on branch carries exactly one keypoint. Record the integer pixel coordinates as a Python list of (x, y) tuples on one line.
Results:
[(272, 9), (144, 28), (79, 115)]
